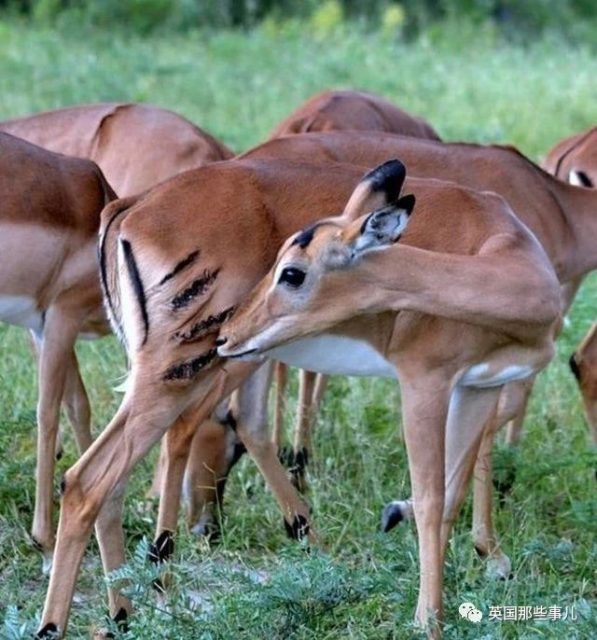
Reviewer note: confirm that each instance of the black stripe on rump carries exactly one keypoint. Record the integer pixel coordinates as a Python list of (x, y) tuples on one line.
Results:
[(196, 288), (204, 327), (181, 266), (188, 369), (136, 283), (102, 261)]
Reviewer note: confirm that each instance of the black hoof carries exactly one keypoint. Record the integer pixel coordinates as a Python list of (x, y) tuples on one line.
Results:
[(391, 516), (480, 552), (299, 527), (48, 632), (37, 545), (59, 454), (286, 456), (160, 550), (121, 622)]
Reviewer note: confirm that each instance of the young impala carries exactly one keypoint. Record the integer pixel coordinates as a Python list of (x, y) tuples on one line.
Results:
[(49, 217), (470, 261)]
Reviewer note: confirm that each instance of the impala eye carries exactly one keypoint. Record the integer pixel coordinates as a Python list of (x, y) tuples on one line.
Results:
[(292, 277)]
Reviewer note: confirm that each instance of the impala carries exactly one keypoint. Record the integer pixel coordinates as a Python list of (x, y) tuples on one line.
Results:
[(169, 293), (50, 215), (563, 217), (210, 461), (575, 160), (352, 110), (136, 145)]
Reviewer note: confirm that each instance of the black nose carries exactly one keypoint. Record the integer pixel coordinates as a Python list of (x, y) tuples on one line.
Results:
[(221, 341)]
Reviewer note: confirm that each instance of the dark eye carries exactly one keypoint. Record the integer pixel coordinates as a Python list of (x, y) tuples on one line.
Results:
[(292, 277)]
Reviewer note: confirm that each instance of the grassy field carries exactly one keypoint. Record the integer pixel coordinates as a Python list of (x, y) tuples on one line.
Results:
[(256, 584)]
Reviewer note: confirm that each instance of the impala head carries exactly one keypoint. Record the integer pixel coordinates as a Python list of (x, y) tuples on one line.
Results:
[(317, 280)]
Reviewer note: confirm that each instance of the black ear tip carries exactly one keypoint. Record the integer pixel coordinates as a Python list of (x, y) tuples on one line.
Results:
[(388, 177)]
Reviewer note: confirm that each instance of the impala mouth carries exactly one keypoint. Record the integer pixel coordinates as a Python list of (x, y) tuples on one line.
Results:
[(233, 354)]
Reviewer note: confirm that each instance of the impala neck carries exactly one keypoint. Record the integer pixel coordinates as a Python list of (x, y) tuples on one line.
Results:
[(578, 242)]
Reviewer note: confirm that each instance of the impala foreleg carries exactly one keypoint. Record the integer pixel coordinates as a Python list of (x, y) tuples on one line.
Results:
[(252, 430), (424, 410), (56, 349)]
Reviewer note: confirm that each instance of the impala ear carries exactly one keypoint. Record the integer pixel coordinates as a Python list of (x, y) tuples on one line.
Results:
[(378, 188), (579, 179), (384, 226)]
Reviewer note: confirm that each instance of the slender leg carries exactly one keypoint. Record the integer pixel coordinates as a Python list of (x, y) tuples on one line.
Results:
[(214, 451), (252, 429), (471, 410), (302, 432), (424, 410), (484, 538), (59, 335), (514, 427), (101, 470), (77, 406), (281, 376)]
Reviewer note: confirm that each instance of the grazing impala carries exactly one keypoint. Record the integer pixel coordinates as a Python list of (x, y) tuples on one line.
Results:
[(332, 111), (214, 457), (352, 110), (50, 216), (170, 292), (574, 160), (564, 218), (135, 145)]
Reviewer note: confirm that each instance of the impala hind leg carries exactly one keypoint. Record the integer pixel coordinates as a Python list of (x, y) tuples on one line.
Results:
[(512, 404), (252, 430), (98, 479), (215, 449), (281, 378), (55, 354), (76, 402), (471, 411)]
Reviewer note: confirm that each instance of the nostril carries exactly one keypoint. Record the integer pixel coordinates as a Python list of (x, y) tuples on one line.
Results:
[(221, 341)]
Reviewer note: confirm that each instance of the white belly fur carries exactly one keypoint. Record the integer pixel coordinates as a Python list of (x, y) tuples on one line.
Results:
[(334, 355), (478, 376), (22, 311)]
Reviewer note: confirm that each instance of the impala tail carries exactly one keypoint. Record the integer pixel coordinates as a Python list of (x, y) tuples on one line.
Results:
[(112, 217)]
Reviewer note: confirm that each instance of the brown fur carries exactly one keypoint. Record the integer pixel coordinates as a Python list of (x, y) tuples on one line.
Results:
[(50, 216), (236, 214), (136, 145), (344, 110)]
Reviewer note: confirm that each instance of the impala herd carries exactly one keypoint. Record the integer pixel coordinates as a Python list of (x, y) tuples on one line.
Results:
[(353, 242)]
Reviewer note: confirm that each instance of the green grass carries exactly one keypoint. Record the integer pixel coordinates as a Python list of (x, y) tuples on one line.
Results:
[(256, 584)]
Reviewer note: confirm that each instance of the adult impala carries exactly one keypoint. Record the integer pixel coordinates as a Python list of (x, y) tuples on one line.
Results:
[(214, 451), (352, 110), (170, 292), (575, 161), (563, 217), (135, 145), (50, 215)]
